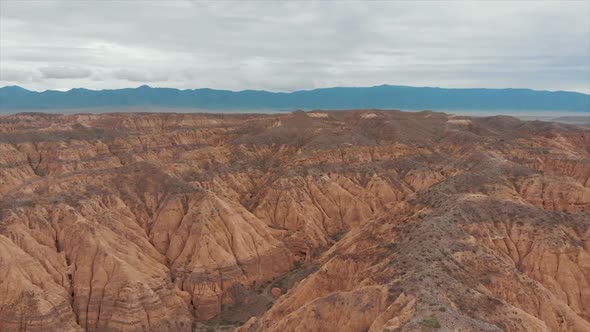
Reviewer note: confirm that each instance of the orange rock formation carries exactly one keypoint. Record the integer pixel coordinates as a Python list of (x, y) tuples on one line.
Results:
[(324, 221)]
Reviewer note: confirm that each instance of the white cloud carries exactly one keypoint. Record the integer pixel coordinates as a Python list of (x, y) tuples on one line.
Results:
[(135, 75)]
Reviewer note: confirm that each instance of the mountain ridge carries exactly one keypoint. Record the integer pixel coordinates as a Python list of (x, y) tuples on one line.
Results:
[(382, 96)]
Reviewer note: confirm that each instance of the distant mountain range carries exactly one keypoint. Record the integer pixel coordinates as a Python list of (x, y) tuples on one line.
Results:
[(14, 98)]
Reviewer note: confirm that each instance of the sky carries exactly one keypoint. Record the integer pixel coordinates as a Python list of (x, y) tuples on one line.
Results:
[(288, 46)]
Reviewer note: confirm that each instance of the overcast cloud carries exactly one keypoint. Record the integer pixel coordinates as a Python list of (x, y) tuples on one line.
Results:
[(286, 46)]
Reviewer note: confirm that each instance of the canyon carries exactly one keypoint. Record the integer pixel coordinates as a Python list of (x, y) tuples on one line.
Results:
[(360, 220)]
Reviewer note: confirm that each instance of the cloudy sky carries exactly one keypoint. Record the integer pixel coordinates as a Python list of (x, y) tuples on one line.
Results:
[(286, 46)]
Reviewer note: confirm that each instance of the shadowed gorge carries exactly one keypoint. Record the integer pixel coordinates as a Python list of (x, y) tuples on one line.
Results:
[(360, 220)]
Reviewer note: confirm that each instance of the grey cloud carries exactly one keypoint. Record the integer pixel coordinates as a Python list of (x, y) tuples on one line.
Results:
[(301, 45), (65, 72), (16, 75)]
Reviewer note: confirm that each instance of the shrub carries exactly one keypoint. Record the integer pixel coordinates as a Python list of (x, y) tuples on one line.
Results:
[(431, 322)]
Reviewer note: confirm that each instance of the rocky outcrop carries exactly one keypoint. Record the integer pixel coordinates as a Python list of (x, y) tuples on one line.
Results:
[(324, 221)]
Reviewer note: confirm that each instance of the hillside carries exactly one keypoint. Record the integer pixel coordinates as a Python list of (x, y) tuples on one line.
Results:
[(308, 221)]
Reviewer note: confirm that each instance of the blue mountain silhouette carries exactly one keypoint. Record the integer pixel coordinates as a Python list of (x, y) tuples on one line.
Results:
[(384, 96)]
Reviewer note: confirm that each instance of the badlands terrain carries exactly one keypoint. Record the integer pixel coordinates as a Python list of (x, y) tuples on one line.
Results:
[(321, 221)]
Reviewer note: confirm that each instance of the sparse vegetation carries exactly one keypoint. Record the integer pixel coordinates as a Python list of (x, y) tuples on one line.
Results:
[(337, 236), (389, 246)]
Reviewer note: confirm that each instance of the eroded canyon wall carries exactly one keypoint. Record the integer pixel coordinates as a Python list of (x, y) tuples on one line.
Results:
[(410, 221)]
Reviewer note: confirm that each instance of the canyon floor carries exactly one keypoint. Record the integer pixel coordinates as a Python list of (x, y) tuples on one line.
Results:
[(359, 220)]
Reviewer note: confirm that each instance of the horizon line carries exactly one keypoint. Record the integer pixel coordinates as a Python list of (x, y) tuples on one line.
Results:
[(287, 92)]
